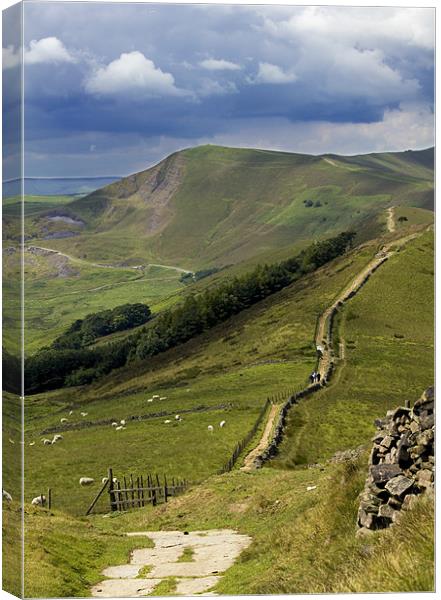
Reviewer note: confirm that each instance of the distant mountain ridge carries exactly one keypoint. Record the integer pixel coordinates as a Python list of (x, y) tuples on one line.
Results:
[(213, 205)]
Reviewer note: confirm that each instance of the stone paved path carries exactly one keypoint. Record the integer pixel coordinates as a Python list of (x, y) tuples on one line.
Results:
[(214, 551)]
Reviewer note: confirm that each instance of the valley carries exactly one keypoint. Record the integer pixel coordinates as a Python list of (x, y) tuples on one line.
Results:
[(139, 236)]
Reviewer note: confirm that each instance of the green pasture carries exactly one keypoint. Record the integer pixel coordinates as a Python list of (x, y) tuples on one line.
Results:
[(388, 333)]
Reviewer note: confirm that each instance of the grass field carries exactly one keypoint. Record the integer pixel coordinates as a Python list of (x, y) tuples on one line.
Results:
[(303, 542), (388, 333), (226, 366)]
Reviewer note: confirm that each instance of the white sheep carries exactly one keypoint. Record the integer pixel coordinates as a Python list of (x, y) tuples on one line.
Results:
[(123, 421), (47, 442), (163, 398), (115, 480), (39, 500), (31, 443), (63, 420), (11, 441), (150, 400), (167, 421), (58, 437), (155, 397), (119, 428), (86, 480), (114, 424), (222, 424), (178, 417), (210, 428), (104, 480), (70, 413), (7, 496), (84, 414)]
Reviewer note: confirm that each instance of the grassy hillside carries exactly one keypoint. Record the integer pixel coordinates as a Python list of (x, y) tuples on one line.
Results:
[(227, 367), (388, 334), (213, 205)]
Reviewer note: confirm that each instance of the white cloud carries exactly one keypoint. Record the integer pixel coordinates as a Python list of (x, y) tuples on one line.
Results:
[(409, 126), (269, 73), (47, 50), (214, 64), (11, 58), (132, 72)]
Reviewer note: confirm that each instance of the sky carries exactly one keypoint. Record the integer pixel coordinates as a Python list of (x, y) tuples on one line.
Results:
[(111, 89)]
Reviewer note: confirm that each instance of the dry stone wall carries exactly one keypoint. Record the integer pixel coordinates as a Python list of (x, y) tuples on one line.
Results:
[(401, 463)]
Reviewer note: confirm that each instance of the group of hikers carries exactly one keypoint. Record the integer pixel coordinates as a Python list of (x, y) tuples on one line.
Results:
[(314, 377)]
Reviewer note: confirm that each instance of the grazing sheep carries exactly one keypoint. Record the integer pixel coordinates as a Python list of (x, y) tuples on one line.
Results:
[(58, 437), (163, 398), (119, 428), (47, 442), (104, 480), (150, 400), (210, 428), (84, 414), (70, 413), (11, 441), (167, 421), (31, 443), (114, 424), (123, 421), (311, 487), (115, 480), (63, 420), (86, 480), (39, 500), (7, 496), (222, 424), (178, 417), (155, 397)]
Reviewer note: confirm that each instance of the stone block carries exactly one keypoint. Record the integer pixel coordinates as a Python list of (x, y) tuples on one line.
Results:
[(397, 486)]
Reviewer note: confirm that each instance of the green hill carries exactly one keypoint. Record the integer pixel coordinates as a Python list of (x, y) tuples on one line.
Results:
[(212, 205)]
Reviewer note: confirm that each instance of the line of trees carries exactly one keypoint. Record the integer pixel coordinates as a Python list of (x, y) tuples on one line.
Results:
[(56, 367), (84, 332)]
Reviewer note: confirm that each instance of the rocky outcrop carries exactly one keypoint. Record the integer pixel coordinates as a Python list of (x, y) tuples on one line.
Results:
[(401, 463)]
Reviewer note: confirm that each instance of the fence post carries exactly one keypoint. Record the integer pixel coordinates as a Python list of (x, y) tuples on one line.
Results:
[(111, 488), (49, 498)]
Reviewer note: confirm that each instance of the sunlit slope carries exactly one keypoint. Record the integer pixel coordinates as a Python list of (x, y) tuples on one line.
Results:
[(214, 205)]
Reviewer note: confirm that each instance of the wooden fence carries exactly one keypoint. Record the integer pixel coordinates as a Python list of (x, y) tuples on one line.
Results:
[(131, 493)]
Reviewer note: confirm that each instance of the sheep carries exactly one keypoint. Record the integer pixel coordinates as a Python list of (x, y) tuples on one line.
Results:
[(7, 496), (119, 428), (39, 500), (222, 424), (86, 481), (178, 417), (63, 420), (115, 480), (11, 441), (163, 398), (167, 421), (58, 437), (104, 480), (114, 424), (123, 421), (210, 428), (155, 397), (31, 443), (84, 414), (47, 442), (70, 413)]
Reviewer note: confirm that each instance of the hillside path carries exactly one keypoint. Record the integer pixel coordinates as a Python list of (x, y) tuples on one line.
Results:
[(212, 553), (101, 266), (391, 219), (264, 440)]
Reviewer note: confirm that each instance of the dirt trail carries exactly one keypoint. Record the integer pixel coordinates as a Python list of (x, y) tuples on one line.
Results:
[(264, 440), (101, 266), (322, 338), (214, 551), (391, 219)]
